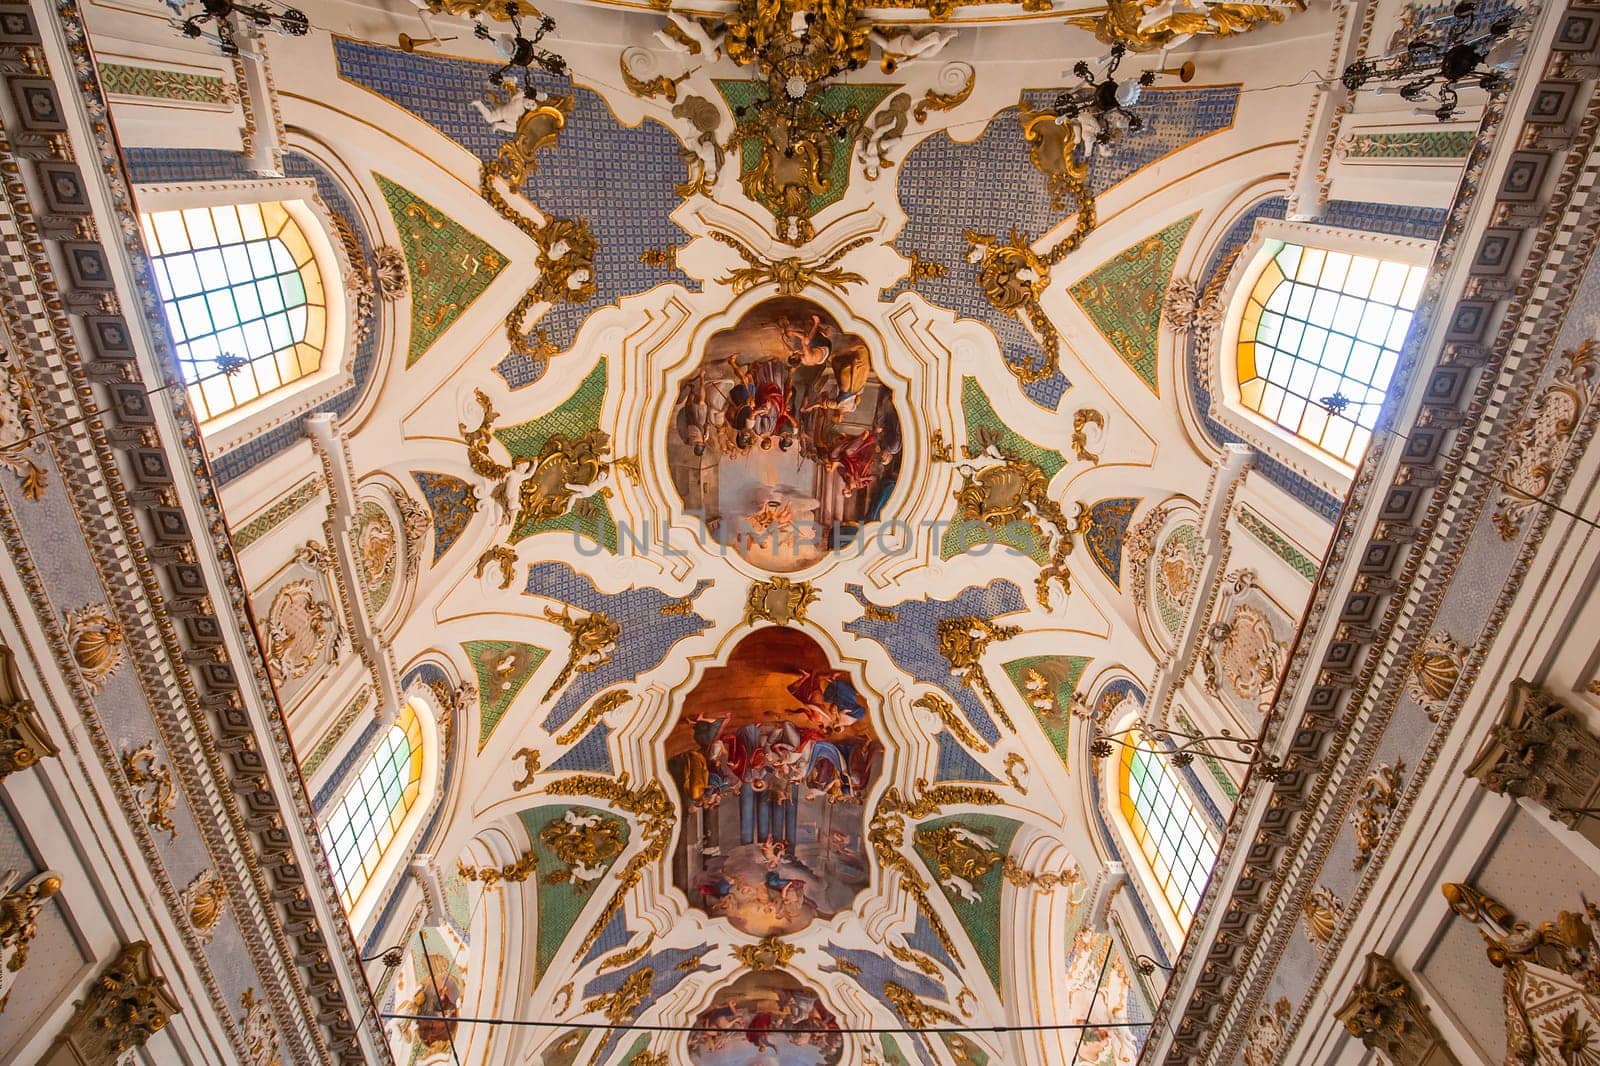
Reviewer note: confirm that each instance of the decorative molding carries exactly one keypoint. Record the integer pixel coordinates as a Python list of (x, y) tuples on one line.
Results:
[(121, 1010), (153, 83), (204, 900), (1379, 799), (23, 738), (20, 904), (155, 780), (1384, 1012), (1543, 751), (247, 533)]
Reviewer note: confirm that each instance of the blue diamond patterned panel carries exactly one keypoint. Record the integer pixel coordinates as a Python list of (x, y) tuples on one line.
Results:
[(956, 763), (998, 188), (648, 632), (661, 964), (872, 972), (602, 171), (912, 639), (591, 755)]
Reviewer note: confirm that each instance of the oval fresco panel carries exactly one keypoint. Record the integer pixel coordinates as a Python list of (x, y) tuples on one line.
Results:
[(773, 755), (784, 440), (769, 1018)]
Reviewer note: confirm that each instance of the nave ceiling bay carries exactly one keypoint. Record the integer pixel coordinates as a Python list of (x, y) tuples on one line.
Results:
[(799, 442)]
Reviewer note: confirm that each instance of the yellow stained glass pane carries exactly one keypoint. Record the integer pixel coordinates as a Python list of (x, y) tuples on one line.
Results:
[(1247, 361), (1271, 277)]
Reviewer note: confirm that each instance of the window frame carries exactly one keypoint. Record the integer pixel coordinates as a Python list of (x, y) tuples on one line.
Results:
[(1142, 874), (1299, 454), (300, 198), (407, 834)]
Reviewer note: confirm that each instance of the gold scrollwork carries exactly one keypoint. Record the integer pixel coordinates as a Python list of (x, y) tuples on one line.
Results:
[(1016, 490), (917, 1013), (779, 601), (602, 705), (945, 711), (624, 1002), (887, 835), (1128, 22), (161, 798), (530, 766), (19, 916), (962, 642), (1013, 763), (1085, 417), (914, 958), (627, 956), (790, 275), (769, 953), (656, 817), (591, 641), (502, 556)]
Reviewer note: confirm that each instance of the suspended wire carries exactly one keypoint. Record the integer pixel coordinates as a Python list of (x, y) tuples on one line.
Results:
[(1105, 964), (438, 997), (533, 1023)]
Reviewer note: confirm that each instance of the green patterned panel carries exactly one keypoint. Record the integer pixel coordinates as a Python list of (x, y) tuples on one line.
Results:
[(1411, 144), (1176, 567), (277, 513), (449, 265), (640, 1047), (341, 725), (984, 425), (377, 551), (891, 1053), (1259, 528), (1123, 297), (1046, 683), (1218, 774), (577, 415), (560, 898), (835, 99), (155, 84), (983, 422), (964, 1051), (979, 917), (503, 667)]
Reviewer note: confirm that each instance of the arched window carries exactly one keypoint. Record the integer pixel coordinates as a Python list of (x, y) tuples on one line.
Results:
[(1319, 338), (1178, 846), (368, 817), (244, 299)]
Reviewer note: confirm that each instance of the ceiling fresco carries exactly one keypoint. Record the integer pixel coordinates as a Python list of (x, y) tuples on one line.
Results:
[(781, 397)]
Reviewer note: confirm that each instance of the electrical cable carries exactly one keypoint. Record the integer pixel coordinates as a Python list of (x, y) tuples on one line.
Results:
[(530, 1023), (1105, 964), (450, 1029)]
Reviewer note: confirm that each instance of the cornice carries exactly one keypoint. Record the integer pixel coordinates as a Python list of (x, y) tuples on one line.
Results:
[(160, 571), (1393, 559)]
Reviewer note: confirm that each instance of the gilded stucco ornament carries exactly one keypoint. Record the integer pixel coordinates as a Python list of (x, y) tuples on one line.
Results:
[(566, 246), (1014, 489), (529, 757), (1385, 1013), (791, 275), (121, 1009), (1265, 1034), (204, 899), (945, 711), (962, 642), (154, 779), (622, 1004), (21, 900), (1379, 799), (1014, 763), (1130, 22), (628, 956), (1082, 419), (639, 76), (779, 601), (584, 841), (393, 280), (23, 740), (917, 1012), (259, 1030), (96, 640), (300, 629), (1434, 670), (1540, 442), (887, 835), (768, 953), (1011, 275), (598, 708), (1543, 751), (592, 639), (703, 154), (653, 812), (1322, 910), (19, 427)]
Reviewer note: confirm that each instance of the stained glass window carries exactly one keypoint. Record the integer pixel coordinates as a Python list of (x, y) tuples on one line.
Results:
[(243, 299), (1179, 847), (1323, 329), (365, 822)]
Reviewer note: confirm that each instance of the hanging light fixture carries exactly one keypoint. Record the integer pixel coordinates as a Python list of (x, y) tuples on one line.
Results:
[(1101, 109), (1448, 53), (520, 51), (285, 20), (1180, 748)]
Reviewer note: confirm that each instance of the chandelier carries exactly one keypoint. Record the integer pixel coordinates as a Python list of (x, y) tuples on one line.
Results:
[(1101, 110), (286, 20), (517, 50), (1447, 53)]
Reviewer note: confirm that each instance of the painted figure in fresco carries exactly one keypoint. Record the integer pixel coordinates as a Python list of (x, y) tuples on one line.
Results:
[(783, 440), (762, 1019), (773, 756)]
